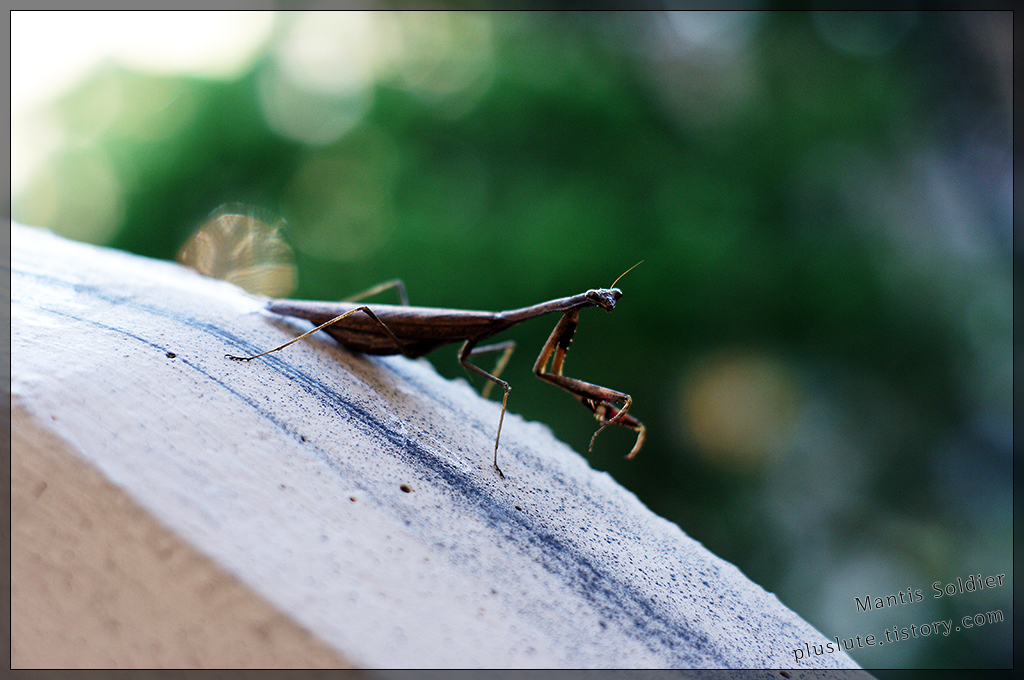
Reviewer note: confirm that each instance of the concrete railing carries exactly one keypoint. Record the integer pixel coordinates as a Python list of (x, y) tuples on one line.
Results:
[(173, 508)]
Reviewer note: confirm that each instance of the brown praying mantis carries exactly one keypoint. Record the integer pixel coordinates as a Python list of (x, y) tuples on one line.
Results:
[(416, 331)]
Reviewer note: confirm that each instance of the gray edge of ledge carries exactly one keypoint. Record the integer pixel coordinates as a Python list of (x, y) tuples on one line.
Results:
[(289, 472)]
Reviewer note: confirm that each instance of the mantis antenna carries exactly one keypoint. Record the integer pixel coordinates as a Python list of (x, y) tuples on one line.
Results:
[(626, 272)]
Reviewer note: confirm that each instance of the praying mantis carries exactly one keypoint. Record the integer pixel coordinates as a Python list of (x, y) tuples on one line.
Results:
[(235, 245), (417, 331)]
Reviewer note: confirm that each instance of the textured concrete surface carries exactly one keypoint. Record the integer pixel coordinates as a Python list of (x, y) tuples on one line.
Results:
[(338, 504)]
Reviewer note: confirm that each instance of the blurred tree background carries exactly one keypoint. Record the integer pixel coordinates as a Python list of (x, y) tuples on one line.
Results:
[(820, 336)]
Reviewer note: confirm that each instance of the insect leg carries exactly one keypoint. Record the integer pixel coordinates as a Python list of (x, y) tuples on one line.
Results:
[(468, 350), (380, 288), (506, 352), (364, 309), (600, 400)]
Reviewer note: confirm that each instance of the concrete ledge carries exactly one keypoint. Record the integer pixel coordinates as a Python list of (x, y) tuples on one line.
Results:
[(96, 581), (171, 507)]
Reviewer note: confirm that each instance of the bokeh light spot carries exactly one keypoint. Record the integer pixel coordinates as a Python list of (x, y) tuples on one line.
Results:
[(447, 58), (236, 246), (320, 81), (77, 193), (343, 199), (738, 407), (864, 34), (311, 117)]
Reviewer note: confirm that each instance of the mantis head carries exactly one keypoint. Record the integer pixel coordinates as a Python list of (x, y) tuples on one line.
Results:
[(605, 298)]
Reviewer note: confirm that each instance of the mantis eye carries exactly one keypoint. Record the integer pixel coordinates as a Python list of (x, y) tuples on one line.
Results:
[(604, 298)]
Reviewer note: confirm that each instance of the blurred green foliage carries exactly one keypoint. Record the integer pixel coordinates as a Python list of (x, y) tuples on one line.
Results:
[(819, 338)]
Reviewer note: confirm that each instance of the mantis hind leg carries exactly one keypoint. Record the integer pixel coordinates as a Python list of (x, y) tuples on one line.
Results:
[(365, 310), (397, 284)]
